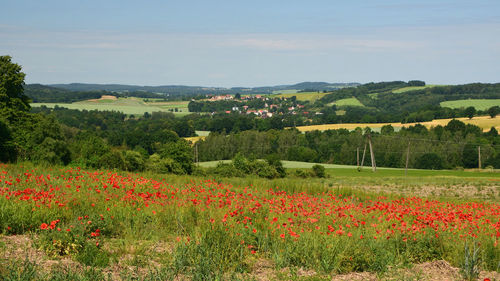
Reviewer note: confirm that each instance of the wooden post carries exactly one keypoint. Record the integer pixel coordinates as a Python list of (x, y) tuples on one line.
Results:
[(407, 158), (357, 157), (372, 154), (479, 156), (363, 159), (196, 153)]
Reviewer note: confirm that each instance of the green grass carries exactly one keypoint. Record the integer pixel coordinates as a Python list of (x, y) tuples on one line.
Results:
[(351, 171), (347, 102), (413, 88), (129, 106), (479, 104)]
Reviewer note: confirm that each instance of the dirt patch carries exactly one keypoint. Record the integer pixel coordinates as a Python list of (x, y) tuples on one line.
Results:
[(356, 276)]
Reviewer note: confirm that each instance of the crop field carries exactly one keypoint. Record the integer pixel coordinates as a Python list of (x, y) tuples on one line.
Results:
[(484, 122), (479, 104), (134, 106), (77, 224), (303, 96)]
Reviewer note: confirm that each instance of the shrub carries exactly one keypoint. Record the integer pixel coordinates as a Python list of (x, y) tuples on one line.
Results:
[(133, 161), (319, 171)]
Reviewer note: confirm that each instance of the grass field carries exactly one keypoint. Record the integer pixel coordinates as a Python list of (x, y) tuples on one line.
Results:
[(73, 224), (413, 88), (134, 106), (347, 102), (479, 104), (302, 96), (484, 122)]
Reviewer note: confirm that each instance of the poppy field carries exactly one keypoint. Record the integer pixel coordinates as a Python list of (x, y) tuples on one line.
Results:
[(203, 229)]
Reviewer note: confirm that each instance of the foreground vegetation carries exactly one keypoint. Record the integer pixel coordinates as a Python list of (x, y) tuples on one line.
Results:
[(202, 229)]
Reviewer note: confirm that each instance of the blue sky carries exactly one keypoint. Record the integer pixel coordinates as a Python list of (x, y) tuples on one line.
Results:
[(252, 43)]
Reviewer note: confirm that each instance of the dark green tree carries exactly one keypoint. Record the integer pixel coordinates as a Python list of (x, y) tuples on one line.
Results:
[(11, 86), (470, 112), (430, 161), (494, 111)]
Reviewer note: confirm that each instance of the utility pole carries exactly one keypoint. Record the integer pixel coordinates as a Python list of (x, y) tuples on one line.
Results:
[(407, 158), (374, 166), (479, 156), (196, 153), (357, 157), (363, 159)]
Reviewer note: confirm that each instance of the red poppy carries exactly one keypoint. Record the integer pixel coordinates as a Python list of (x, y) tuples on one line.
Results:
[(44, 226)]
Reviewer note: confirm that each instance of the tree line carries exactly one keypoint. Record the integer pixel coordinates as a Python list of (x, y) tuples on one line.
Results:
[(442, 147)]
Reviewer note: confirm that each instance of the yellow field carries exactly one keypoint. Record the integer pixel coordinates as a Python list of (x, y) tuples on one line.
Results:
[(484, 122), (195, 139)]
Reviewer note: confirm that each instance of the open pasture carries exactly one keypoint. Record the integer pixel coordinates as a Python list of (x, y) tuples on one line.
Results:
[(479, 104), (129, 106), (413, 88), (347, 102), (198, 228)]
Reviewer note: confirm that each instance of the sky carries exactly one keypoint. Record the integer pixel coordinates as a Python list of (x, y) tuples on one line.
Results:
[(252, 43)]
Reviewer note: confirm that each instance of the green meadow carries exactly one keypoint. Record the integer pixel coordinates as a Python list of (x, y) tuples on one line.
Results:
[(479, 104), (129, 106)]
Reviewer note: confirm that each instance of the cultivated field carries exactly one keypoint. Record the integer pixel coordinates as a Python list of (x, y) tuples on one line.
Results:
[(134, 106), (60, 224), (479, 104), (484, 122)]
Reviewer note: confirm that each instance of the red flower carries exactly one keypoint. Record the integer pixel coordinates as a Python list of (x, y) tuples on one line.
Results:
[(44, 226)]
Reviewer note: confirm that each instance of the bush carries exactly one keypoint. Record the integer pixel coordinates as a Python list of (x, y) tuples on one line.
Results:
[(227, 170), (159, 165), (264, 170), (112, 160), (319, 171), (133, 161), (302, 173)]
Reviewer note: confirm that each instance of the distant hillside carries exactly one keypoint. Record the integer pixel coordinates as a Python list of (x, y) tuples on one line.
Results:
[(42, 93), (197, 90)]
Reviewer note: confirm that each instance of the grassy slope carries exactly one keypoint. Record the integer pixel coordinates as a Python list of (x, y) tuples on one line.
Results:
[(406, 89), (348, 102), (132, 105), (479, 104)]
